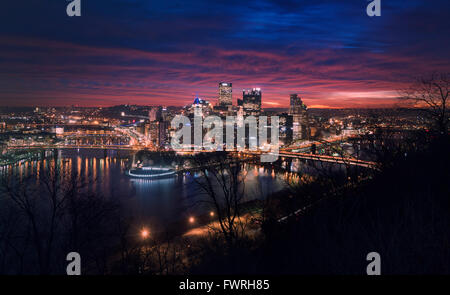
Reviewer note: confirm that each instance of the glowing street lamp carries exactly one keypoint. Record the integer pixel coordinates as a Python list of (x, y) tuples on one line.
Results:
[(211, 213), (145, 233), (191, 219)]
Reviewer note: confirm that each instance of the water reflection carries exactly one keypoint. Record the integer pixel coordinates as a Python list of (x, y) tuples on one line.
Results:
[(155, 202)]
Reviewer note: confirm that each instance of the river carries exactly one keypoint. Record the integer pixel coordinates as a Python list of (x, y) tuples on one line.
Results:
[(157, 202)]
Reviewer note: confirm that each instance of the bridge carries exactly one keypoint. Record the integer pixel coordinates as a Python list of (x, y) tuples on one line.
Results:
[(322, 158), (319, 143), (282, 153), (87, 146), (332, 159)]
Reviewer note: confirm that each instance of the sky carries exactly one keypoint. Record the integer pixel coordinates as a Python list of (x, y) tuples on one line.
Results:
[(166, 52)]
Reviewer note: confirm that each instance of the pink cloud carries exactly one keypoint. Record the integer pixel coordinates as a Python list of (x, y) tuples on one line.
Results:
[(55, 73)]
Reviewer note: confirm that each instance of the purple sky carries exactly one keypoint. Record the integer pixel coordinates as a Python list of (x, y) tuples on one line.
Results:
[(166, 52)]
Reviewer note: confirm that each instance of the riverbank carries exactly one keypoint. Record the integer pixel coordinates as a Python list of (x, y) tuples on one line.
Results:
[(15, 157)]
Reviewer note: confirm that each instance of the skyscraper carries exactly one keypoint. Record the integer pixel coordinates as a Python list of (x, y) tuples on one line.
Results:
[(297, 110), (225, 94), (251, 102), (154, 114), (296, 105), (157, 132)]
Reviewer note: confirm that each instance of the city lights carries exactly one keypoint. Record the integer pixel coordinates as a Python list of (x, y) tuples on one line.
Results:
[(242, 140)]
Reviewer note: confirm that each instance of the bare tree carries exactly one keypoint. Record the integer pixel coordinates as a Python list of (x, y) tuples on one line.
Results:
[(431, 92), (50, 214), (162, 255), (223, 183)]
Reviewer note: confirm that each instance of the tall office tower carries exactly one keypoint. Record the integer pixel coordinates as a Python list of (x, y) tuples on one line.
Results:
[(164, 113), (158, 133), (225, 94), (155, 114), (285, 135), (296, 105), (297, 110), (251, 102)]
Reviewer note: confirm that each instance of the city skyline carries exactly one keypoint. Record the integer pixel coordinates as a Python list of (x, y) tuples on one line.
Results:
[(150, 53), (254, 143)]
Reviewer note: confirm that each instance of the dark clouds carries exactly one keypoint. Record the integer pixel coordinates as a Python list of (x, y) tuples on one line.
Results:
[(155, 52)]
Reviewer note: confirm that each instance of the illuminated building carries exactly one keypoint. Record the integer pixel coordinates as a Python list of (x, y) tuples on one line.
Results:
[(158, 133), (155, 114), (2, 126), (297, 109), (296, 106), (225, 94), (200, 107), (251, 102)]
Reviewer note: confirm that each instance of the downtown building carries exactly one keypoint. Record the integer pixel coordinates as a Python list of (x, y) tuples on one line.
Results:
[(158, 133), (297, 110), (225, 101), (225, 94), (157, 128), (155, 114), (251, 102), (199, 107)]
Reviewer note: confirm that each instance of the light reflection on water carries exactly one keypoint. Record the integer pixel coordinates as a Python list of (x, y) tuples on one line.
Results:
[(155, 202)]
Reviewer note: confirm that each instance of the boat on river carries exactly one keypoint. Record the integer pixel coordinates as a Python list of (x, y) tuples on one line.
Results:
[(151, 172)]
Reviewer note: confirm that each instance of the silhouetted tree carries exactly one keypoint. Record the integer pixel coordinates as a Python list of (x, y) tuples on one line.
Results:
[(51, 213), (222, 181), (431, 93)]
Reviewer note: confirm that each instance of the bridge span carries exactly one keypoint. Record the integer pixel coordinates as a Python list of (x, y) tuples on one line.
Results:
[(323, 158), (281, 153)]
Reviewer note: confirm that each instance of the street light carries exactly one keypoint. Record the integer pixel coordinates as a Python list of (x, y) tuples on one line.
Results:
[(145, 233), (211, 213), (191, 219)]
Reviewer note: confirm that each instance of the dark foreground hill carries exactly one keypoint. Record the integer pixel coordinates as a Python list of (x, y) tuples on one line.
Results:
[(403, 213)]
